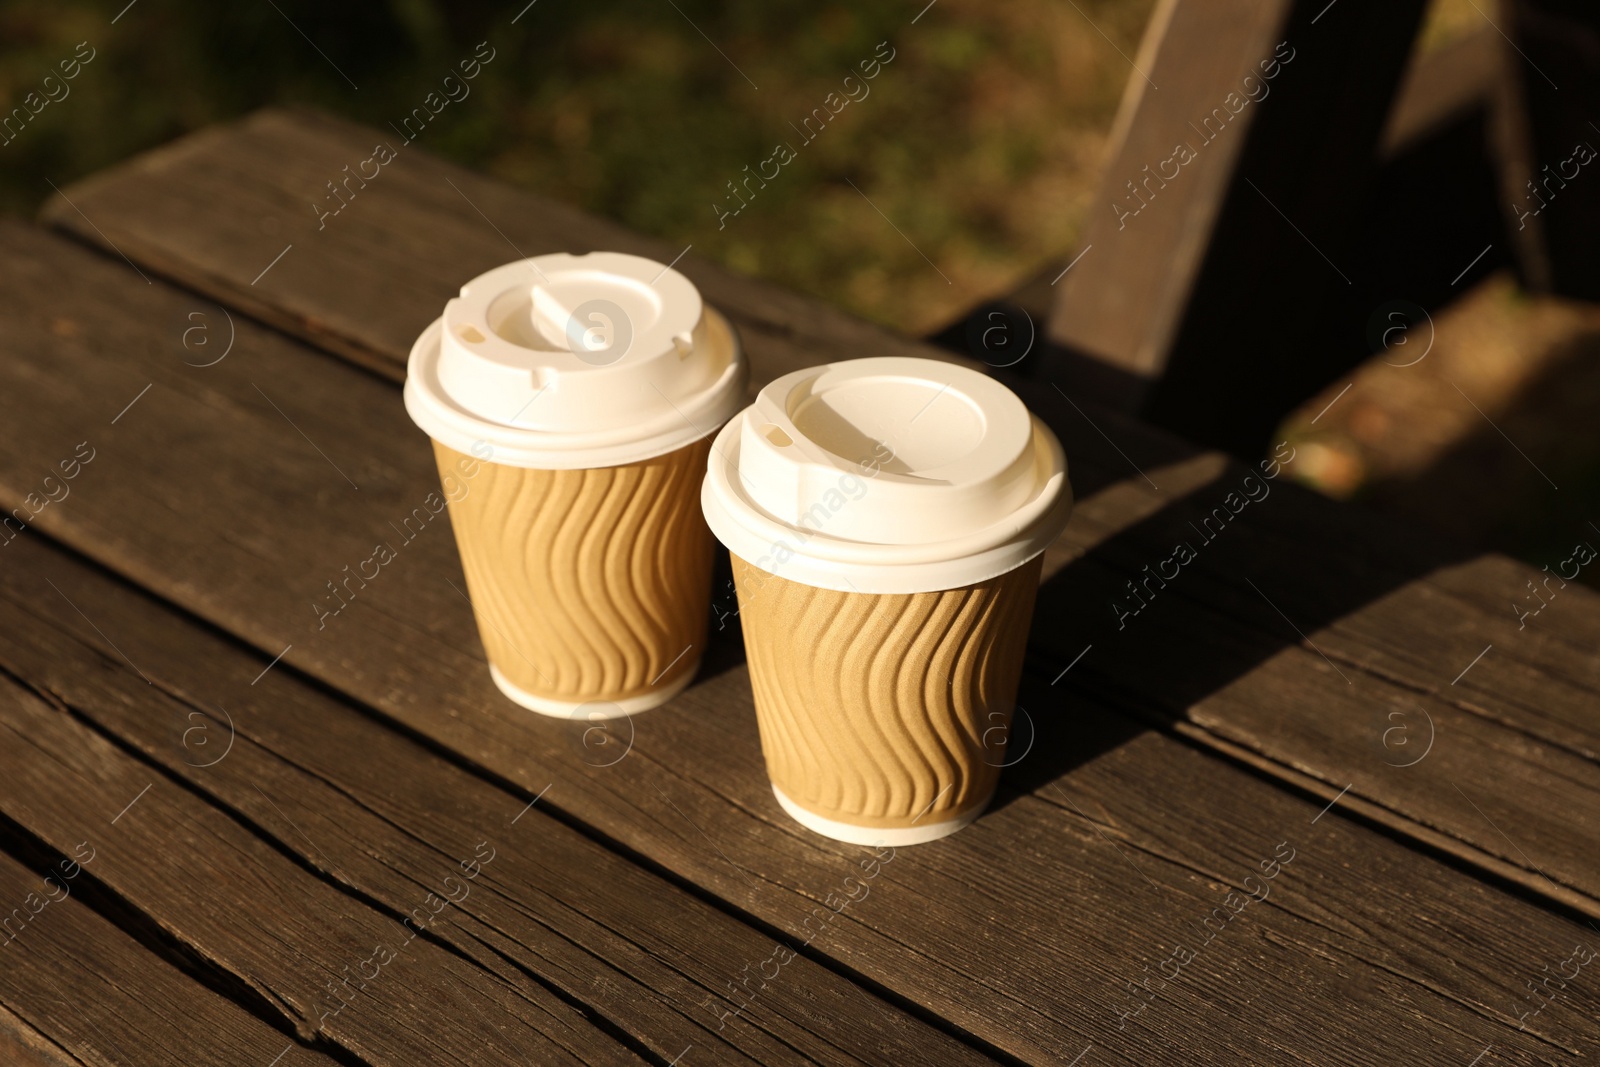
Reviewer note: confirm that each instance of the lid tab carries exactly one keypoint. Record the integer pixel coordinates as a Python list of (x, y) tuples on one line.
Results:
[(887, 475), (573, 361)]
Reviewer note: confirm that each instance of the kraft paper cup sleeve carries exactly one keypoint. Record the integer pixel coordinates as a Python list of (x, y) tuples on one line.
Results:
[(886, 519), (588, 388)]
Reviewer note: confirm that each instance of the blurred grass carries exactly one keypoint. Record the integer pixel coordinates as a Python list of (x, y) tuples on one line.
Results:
[(978, 140), (978, 143), (981, 141)]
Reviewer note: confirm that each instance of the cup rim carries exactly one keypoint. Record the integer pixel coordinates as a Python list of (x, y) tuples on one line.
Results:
[(813, 557), (679, 425)]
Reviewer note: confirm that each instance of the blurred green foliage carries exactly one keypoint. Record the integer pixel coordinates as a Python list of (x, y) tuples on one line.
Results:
[(979, 143), (978, 140)]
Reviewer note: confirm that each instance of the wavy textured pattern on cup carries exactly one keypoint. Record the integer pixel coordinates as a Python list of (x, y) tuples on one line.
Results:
[(587, 584), (874, 707)]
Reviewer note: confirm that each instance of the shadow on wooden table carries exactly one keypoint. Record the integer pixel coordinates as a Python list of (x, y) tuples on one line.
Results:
[(1110, 631), (1496, 488), (1176, 610)]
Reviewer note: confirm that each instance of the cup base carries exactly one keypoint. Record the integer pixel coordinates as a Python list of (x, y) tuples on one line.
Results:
[(597, 709), (875, 835)]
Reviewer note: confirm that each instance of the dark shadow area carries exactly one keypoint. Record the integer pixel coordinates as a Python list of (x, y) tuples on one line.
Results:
[(1007, 336), (724, 634), (1429, 227), (1560, 39), (1432, 225), (1426, 227), (1499, 493), (1053, 732), (1290, 298), (1206, 628), (1250, 338)]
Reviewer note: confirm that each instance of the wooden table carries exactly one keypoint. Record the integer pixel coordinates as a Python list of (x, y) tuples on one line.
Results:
[(1321, 800)]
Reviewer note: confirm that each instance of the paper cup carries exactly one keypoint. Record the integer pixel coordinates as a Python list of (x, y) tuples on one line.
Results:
[(886, 519), (581, 392)]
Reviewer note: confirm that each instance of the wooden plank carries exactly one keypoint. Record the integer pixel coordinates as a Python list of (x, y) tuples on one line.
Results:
[(1348, 562), (217, 503), (390, 822), (1394, 623), (1124, 307), (275, 166), (1553, 96), (1403, 606), (77, 990), (21, 1044), (1434, 200), (1227, 204), (230, 896)]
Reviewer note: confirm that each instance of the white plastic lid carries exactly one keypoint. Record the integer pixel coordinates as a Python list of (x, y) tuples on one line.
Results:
[(565, 361), (887, 475)]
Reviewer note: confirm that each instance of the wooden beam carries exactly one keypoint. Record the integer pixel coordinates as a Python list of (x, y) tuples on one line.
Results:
[(1551, 125), (1224, 213), (1432, 207)]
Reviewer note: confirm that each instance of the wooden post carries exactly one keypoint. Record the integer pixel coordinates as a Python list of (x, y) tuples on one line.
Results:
[(1238, 164), (1551, 180)]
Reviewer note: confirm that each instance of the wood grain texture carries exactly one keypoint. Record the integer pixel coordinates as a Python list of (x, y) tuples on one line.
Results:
[(1006, 931), (1320, 646), (588, 585), (24, 1046), (212, 210), (391, 823), (229, 895), (885, 709), (79, 991), (1340, 566)]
